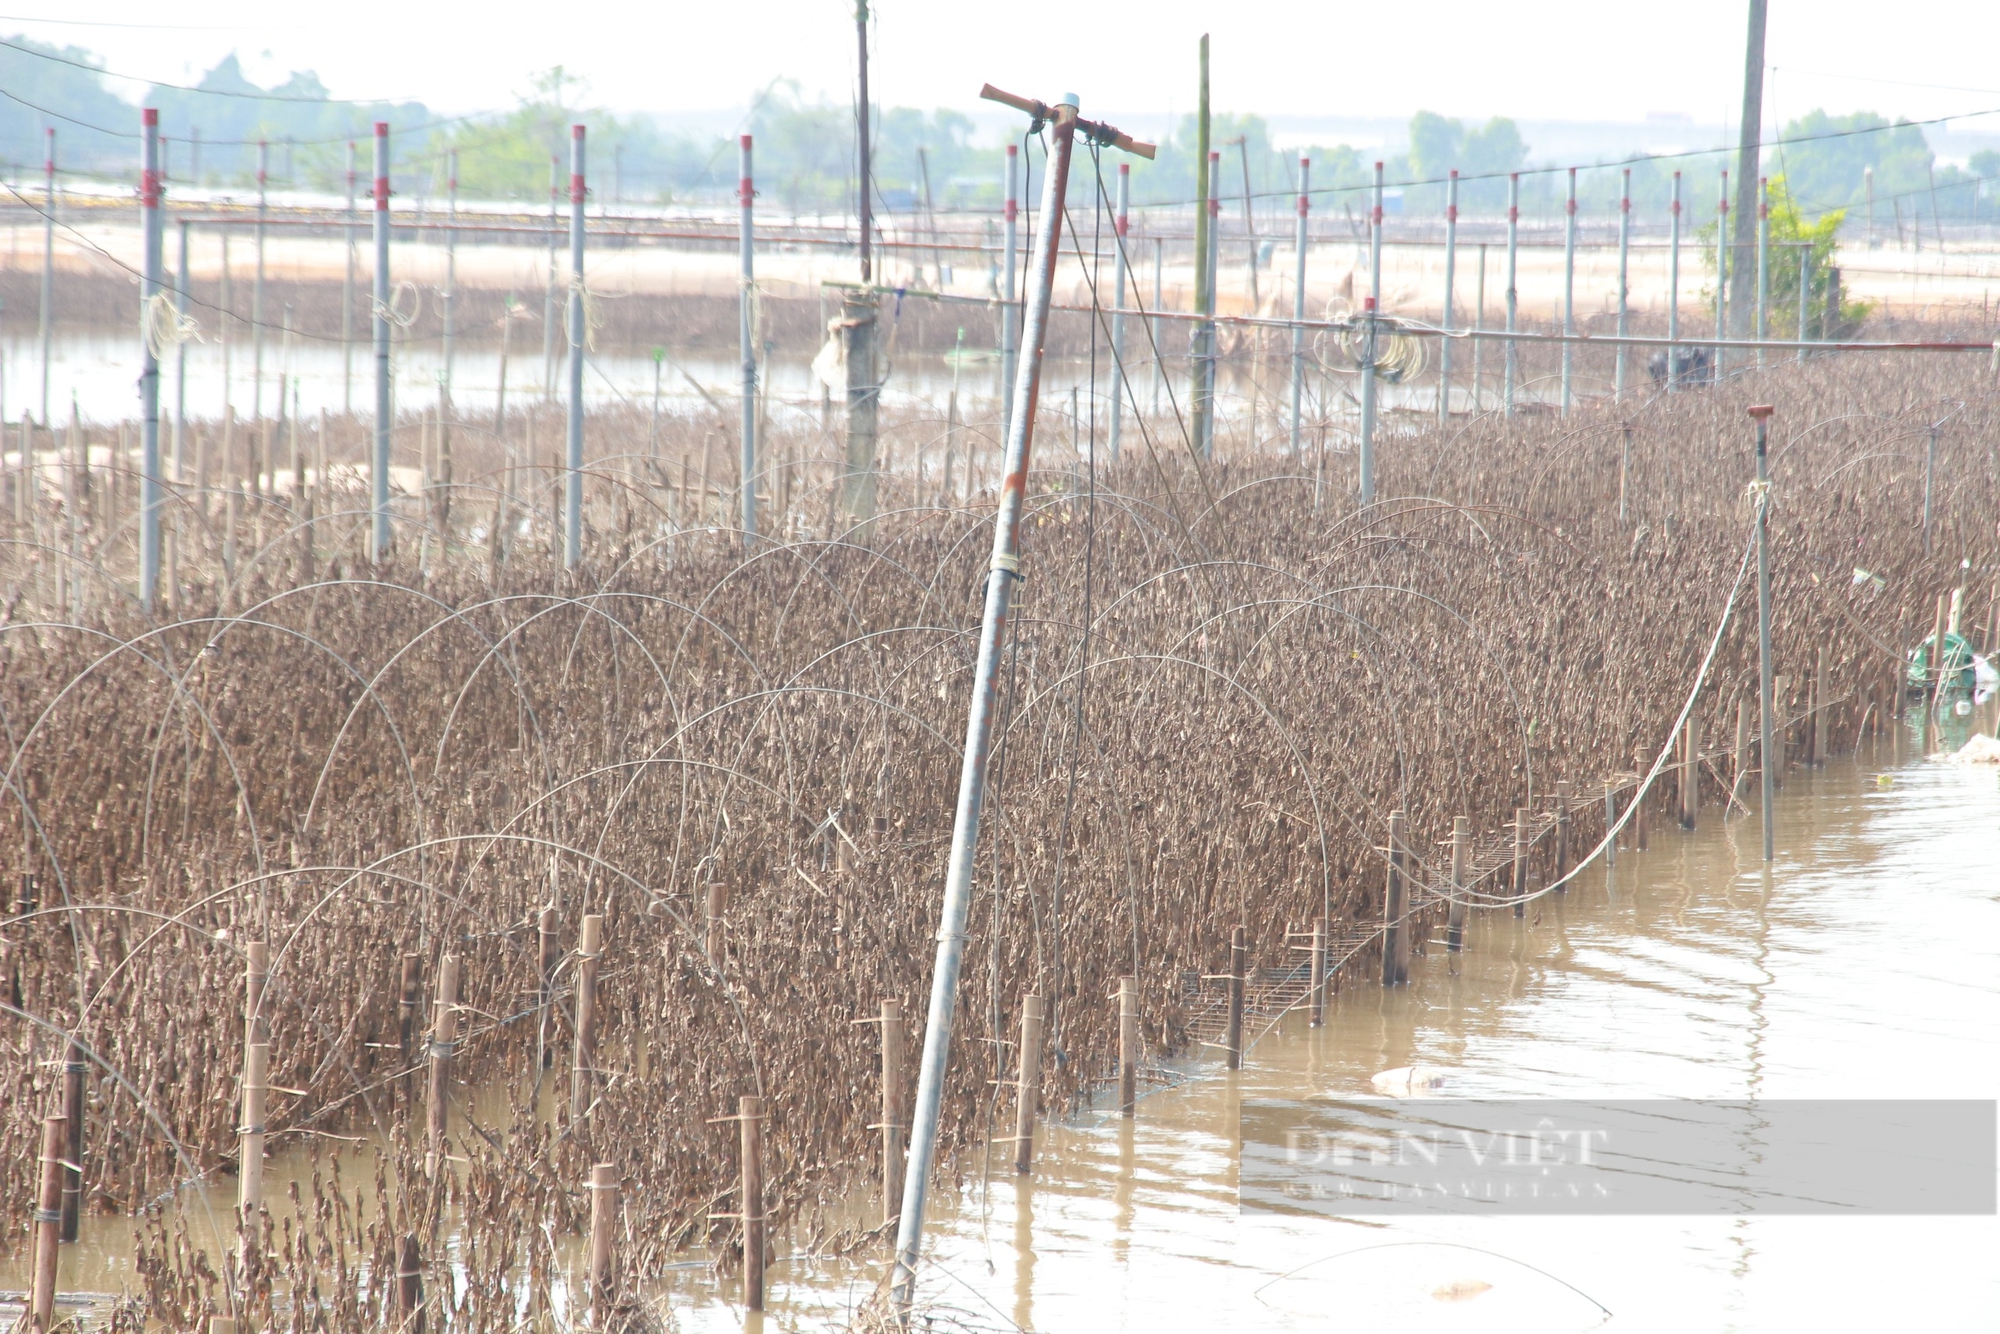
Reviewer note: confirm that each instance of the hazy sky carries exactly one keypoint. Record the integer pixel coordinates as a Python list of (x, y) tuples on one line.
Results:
[(1531, 59)]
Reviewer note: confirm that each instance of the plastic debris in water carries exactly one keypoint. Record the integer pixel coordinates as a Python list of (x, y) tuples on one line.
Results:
[(1885, 781), (1461, 1290), (1407, 1079)]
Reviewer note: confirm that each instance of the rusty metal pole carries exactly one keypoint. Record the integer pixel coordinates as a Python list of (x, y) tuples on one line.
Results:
[(1120, 272), (1369, 348), (1624, 290), (1010, 231), (1569, 289), (1513, 361), (1003, 570)]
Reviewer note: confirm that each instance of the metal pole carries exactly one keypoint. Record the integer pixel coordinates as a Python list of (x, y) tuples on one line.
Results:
[(181, 364), (1366, 458), (1159, 296), (450, 267), (48, 265), (1450, 272), (1749, 132), (549, 296), (1010, 241), (347, 297), (1210, 263), (1479, 344), (378, 473), (1930, 471), (1763, 262), (1674, 281), (1299, 302), (863, 144), (1569, 286), (1005, 569), (1122, 226), (747, 341), (1624, 269), (149, 364), (257, 300), (573, 476), (1762, 415), (1805, 294), (1721, 269), (1204, 280), (1513, 372)]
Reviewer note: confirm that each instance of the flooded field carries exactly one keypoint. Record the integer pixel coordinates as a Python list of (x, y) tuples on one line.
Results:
[(1865, 962)]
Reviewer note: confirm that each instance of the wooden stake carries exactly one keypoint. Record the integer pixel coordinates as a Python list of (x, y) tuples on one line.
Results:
[(1319, 973), (1562, 835), (583, 1068), (1819, 727), (1233, 1037), (409, 1007), (1641, 763), (750, 1117), (444, 1044), (1128, 1046), (1610, 821), (1521, 818), (1691, 775), (1739, 768), (603, 1228), (48, 1229), (409, 1287), (1393, 907), (1461, 867), (1028, 1083), (892, 1108)]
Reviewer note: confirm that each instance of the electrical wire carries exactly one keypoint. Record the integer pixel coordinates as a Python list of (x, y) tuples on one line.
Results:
[(208, 92)]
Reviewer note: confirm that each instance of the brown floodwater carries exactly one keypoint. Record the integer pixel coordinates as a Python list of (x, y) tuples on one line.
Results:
[(1863, 963)]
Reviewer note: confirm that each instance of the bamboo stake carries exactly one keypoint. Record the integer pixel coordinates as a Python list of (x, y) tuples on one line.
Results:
[(1521, 819), (1319, 973), (1461, 866), (444, 1044), (893, 1035), (750, 1116), (1233, 1037), (48, 1229), (1393, 909), (1028, 1083), (1128, 1046), (72, 1194), (583, 1067), (603, 1228)]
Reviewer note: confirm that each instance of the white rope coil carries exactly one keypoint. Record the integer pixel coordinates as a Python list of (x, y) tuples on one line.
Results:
[(593, 315), (393, 311)]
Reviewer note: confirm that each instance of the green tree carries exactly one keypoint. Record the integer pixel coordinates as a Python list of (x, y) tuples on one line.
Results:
[(1796, 240)]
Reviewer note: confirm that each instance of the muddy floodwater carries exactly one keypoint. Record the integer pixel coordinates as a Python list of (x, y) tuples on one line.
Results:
[(1864, 963)]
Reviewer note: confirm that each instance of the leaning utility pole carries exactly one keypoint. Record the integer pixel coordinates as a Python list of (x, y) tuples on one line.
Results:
[(1749, 135), (1004, 569)]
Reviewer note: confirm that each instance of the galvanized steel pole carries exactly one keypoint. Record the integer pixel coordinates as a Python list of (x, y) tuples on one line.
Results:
[(1513, 371), (1674, 281), (1211, 262), (181, 364), (347, 297), (149, 364), (1004, 570), (1366, 454), (1450, 272), (864, 145), (378, 474), (1299, 302), (450, 267), (573, 462), (48, 264), (1569, 286), (1721, 269), (1763, 262), (747, 341), (1762, 415), (257, 300), (549, 296), (1624, 285), (1122, 225), (1009, 328)]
